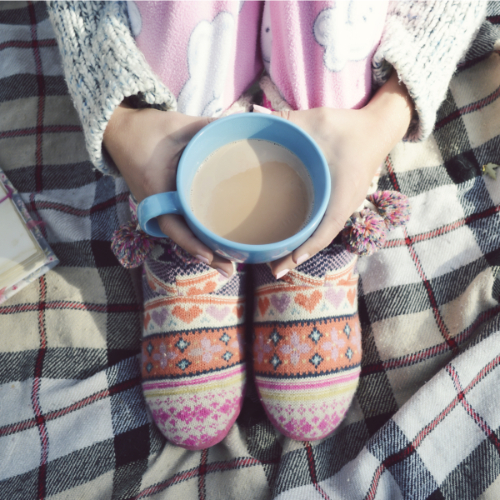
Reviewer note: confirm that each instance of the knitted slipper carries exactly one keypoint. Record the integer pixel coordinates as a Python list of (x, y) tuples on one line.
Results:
[(307, 347), (193, 366)]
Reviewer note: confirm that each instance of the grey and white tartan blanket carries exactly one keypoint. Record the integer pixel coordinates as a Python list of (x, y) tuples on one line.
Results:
[(425, 422)]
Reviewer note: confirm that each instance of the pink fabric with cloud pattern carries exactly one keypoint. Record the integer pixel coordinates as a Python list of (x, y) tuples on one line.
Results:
[(209, 53)]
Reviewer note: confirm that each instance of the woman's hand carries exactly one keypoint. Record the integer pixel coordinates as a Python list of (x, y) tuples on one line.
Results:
[(355, 143), (146, 145)]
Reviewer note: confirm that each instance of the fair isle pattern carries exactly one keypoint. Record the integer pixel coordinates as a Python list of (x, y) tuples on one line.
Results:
[(307, 345), (338, 257), (193, 352), (202, 279), (192, 304), (310, 407), (307, 348), (169, 267), (197, 413), (302, 296)]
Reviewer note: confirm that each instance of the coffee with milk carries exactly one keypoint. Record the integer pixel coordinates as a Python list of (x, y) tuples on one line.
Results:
[(252, 191)]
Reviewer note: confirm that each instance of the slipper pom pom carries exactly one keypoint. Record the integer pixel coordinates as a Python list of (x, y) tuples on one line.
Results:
[(393, 207), (364, 233), (130, 246)]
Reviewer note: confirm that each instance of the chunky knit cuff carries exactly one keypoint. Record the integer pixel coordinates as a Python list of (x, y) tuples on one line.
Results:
[(424, 41), (102, 65)]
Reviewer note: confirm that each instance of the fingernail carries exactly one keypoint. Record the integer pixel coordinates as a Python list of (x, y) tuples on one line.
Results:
[(282, 273), (261, 109), (203, 259), (222, 272), (302, 258)]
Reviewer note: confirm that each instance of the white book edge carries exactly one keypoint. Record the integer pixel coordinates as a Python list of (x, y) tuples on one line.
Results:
[(33, 257)]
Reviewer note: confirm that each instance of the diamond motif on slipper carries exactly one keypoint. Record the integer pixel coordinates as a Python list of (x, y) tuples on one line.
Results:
[(307, 382), (315, 335), (194, 384)]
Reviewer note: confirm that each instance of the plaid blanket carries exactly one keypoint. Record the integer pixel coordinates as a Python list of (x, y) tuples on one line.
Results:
[(425, 422)]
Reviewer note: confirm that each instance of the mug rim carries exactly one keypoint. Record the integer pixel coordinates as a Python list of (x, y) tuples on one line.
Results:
[(313, 223)]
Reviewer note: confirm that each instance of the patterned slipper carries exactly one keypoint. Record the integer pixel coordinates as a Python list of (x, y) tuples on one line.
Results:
[(307, 347), (193, 366)]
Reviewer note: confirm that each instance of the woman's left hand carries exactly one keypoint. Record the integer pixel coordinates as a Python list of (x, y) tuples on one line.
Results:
[(355, 143)]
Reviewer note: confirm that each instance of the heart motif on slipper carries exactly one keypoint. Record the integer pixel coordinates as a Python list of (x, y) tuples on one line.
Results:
[(335, 296), (147, 319), (209, 287), (218, 314), (263, 305), (351, 295), (159, 316), (309, 303), (186, 315), (239, 311), (281, 304)]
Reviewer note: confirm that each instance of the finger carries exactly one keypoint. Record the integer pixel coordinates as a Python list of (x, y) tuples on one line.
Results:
[(331, 225), (329, 228), (224, 266), (283, 266), (344, 201), (320, 239), (325, 233), (316, 243), (175, 227)]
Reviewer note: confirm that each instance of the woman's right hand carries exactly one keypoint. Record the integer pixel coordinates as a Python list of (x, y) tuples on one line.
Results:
[(146, 145)]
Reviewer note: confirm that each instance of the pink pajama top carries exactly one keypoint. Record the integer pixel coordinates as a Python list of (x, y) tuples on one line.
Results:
[(209, 53)]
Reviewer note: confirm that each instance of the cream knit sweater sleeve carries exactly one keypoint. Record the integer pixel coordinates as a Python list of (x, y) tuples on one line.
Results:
[(424, 41), (102, 66)]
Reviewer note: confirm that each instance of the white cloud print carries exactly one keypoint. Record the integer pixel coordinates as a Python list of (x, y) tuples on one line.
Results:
[(209, 51), (348, 31)]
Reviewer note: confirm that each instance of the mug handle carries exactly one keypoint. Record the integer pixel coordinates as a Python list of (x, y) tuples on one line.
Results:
[(153, 206)]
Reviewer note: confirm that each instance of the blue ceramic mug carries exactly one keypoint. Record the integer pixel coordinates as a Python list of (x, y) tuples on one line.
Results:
[(212, 137)]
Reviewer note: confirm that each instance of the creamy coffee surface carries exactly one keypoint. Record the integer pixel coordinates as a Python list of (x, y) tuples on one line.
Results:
[(252, 191)]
